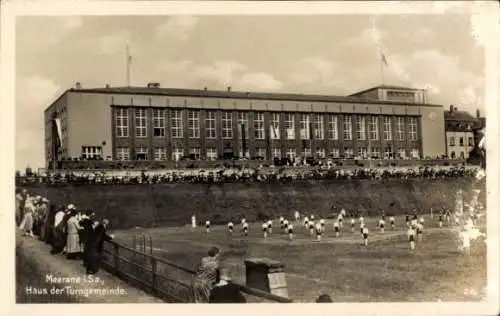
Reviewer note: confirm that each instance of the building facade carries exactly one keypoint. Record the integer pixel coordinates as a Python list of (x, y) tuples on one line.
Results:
[(154, 123), (460, 129)]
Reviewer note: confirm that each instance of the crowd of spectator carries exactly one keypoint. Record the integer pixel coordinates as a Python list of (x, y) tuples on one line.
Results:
[(225, 175), (73, 233)]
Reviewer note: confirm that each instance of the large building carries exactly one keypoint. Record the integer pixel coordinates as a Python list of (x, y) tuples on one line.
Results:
[(461, 127), (154, 123)]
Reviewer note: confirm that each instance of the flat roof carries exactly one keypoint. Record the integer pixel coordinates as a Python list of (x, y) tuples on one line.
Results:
[(202, 93)]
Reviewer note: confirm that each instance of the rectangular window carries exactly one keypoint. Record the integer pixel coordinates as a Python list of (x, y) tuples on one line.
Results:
[(375, 152), (461, 141), (320, 153), (362, 152), (290, 125), (194, 153), (160, 153), (373, 128), (91, 152), (387, 128), (387, 153), (306, 152), (452, 141), (415, 153), (176, 124), (177, 153), (291, 153), (401, 153), (471, 142), (333, 127), (304, 126), (400, 128), (158, 123), (227, 125), (141, 153), (261, 153), (140, 123), (122, 153), (258, 125), (210, 127), (335, 153), (277, 153), (361, 127), (412, 128), (122, 123), (211, 154), (347, 127), (193, 124), (348, 153), (318, 126), (274, 128), (243, 124)]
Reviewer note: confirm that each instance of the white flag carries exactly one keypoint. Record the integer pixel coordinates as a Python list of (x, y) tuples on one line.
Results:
[(59, 129)]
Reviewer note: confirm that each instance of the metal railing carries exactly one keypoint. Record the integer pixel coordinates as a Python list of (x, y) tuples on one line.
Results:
[(164, 279)]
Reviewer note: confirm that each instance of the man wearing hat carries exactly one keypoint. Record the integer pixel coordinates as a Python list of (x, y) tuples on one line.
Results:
[(225, 291), (95, 245)]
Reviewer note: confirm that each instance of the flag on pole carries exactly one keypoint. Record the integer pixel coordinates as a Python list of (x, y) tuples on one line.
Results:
[(384, 59)]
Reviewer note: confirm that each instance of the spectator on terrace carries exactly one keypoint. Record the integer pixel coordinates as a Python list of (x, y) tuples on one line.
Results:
[(225, 291), (73, 248), (59, 231), (207, 275)]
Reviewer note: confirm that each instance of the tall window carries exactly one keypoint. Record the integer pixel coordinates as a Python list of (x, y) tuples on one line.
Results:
[(142, 153), (387, 128), (140, 123), (375, 152), (461, 141), (158, 123), (195, 153), (333, 127), (361, 127), (347, 127), (373, 128), (471, 142), (400, 128), (176, 124), (211, 154), (290, 125), (121, 122), (452, 141), (193, 124), (415, 153), (122, 153), (306, 152), (318, 127), (304, 126), (291, 153), (412, 128), (177, 153), (210, 127), (401, 153), (277, 152), (243, 124), (227, 124), (348, 153), (160, 153), (362, 152), (258, 125), (274, 128)]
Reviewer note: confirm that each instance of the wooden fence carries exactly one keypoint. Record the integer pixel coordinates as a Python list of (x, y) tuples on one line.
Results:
[(164, 279)]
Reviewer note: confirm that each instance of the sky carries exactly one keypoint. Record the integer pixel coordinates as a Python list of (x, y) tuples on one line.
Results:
[(329, 54)]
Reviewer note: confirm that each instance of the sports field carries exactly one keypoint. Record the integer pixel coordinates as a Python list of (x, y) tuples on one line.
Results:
[(386, 270)]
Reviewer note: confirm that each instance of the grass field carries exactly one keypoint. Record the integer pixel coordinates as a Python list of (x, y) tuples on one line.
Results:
[(386, 270)]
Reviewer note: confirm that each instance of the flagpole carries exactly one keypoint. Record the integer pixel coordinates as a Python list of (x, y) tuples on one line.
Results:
[(128, 66)]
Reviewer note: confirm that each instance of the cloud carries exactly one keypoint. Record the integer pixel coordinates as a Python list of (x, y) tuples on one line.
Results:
[(29, 127), (177, 27), (316, 72), (38, 32), (259, 81)]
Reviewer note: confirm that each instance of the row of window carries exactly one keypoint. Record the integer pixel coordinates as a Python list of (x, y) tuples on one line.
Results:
[(123, 153), (310, 125), (461, 141)]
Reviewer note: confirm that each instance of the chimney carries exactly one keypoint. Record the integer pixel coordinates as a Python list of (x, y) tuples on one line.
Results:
[(229, 89), (78, 85), (478, 113), (455, 109), (205, 88), (107, 85), (451, 108)]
